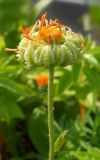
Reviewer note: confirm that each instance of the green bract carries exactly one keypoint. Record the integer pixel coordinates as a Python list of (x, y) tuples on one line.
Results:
[(64, 52)]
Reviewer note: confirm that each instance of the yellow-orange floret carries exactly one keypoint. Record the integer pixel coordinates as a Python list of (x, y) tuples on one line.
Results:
[(51, 32)]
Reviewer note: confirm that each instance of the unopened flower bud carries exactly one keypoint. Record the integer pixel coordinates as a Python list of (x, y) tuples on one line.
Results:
[(52, 45)]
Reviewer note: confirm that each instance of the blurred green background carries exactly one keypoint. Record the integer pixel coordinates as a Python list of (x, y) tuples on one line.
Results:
[(23, 100)]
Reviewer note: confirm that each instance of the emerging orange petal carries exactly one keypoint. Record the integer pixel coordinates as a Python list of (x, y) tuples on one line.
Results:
[(25, 30), (50, 32)]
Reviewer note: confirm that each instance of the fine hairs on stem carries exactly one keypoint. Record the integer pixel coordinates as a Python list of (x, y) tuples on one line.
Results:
[(50, 113)]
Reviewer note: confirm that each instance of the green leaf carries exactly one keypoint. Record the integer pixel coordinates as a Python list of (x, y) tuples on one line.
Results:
[(9, 109), (38, 130), (82, 91), (94, 51), (92, 153), (91, 60), (64, 82), (93, 76), (16, 88), (75, 72), (60, 141), (8, 69), (85, 95)]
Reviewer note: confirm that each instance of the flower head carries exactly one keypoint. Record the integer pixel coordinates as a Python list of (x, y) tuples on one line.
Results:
[(49, 43)]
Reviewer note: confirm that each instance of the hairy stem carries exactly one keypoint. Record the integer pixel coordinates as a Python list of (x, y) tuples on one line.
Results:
[(50, 114)]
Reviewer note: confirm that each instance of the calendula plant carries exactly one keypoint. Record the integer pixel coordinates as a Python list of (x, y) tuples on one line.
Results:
[(49, 44)]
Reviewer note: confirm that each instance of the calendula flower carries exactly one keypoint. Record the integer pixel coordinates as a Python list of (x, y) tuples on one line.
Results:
[(49, 43), (42, 80)]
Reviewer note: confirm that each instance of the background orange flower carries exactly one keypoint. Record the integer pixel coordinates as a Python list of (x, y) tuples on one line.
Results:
[(42, 80)]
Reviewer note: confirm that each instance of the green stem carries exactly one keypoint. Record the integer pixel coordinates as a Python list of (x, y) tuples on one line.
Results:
[(50, 114)]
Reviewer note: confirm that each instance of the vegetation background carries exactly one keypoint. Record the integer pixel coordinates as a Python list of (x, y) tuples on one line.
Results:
[(23, 93)]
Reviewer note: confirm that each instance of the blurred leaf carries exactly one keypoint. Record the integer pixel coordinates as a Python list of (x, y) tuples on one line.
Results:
[(2, 42), (85, 96), (82, 91), (93, 76), (89, 42), (75, 72), (14, 87), (9, 109), (92, 153), (95, 14), (60, 141), (8, 69), (64, 82), (95, 50), (92, 60), (38, 130)]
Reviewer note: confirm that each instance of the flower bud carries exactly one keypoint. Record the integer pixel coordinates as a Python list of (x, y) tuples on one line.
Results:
[(22, 46), (51, 45)]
